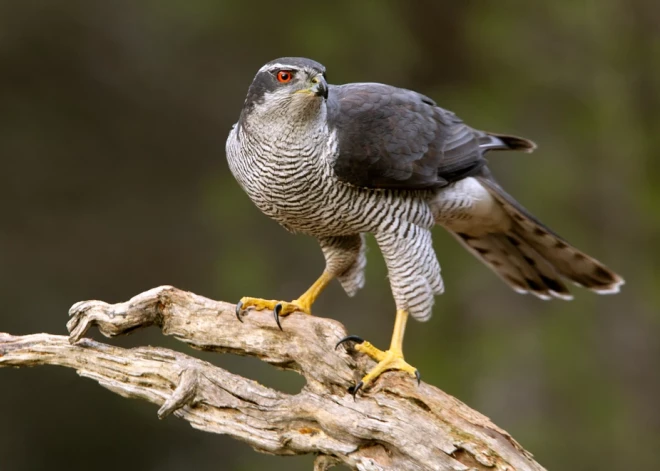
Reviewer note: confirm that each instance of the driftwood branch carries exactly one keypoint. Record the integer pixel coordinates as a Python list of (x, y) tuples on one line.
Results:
[(395, 425)]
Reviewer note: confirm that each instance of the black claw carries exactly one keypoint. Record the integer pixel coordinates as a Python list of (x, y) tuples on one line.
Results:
[(418, 375), (353, 390), (239, 307), (350, 338), (276, 313)]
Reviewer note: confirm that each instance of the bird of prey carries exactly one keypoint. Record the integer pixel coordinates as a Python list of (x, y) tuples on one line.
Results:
[(339, 161)]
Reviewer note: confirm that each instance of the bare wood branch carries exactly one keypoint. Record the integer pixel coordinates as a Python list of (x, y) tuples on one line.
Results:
[(394, 426)]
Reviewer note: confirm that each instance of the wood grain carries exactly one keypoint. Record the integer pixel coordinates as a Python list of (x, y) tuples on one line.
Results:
[(395, 425)]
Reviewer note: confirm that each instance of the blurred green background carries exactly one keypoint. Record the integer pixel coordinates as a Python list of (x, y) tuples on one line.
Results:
[(113, 180)]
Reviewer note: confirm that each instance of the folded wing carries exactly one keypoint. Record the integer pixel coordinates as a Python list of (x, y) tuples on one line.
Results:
[(394, 138)]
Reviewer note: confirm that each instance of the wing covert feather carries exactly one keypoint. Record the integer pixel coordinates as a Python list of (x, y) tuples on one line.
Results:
[(395, 138)]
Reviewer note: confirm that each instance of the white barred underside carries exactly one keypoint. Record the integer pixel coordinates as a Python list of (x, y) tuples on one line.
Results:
[(413, 268), (291, 180)]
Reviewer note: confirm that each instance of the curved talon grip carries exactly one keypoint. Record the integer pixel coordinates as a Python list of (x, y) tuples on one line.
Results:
[(350, 338), (276, 313), (418, 375), (239, 308), (353, 390)]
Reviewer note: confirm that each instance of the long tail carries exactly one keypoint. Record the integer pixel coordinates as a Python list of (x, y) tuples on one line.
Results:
[(529, 256)]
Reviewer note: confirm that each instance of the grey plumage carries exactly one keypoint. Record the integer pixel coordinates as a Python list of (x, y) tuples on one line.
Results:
[(378, 159), (346, 256)]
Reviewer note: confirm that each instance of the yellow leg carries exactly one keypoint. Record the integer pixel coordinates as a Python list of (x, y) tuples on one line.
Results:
[(302, 304), (391, 359)]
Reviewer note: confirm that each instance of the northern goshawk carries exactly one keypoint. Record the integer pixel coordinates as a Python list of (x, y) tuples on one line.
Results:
[(338, 161)]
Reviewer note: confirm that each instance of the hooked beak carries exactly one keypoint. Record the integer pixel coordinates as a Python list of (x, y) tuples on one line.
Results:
[(320, 87)]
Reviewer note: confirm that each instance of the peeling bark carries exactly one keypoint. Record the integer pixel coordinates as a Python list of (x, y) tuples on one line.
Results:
[(395, 425)]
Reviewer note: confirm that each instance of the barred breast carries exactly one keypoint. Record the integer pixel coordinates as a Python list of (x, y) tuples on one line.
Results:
[(296, 186)]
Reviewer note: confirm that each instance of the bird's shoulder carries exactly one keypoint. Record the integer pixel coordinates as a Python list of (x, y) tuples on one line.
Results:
[(377, 100), (390, 137)]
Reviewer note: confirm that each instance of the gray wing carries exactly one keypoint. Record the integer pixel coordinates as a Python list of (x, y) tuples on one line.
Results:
[(394, 138)]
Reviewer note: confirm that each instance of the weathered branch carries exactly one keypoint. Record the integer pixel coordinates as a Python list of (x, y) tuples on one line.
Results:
[(396, 425)]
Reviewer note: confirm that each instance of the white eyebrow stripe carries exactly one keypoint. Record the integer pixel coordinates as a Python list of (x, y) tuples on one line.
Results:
[(270, 67)]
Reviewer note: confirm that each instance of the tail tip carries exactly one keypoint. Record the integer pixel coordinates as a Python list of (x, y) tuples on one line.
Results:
[(612, 287), (517, 143)]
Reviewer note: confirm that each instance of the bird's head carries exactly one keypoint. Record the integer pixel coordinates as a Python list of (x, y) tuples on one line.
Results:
[(290, 88)]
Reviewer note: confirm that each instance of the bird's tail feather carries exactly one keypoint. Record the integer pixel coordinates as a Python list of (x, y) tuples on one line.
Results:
[(517, 263), (530, 257), (493, 141)]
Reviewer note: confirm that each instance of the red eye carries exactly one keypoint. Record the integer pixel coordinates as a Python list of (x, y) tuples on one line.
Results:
[(284, 76)]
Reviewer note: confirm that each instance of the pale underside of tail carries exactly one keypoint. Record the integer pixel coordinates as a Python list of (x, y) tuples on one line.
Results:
[(521, 250), (516, 263)]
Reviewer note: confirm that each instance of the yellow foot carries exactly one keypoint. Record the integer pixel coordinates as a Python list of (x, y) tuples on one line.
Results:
[(387, 360), (279, 308)]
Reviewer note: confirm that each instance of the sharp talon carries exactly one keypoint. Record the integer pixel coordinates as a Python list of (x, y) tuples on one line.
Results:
[(353, 338), (418, 375), (276, 313), (239, 306), (353, 390)]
